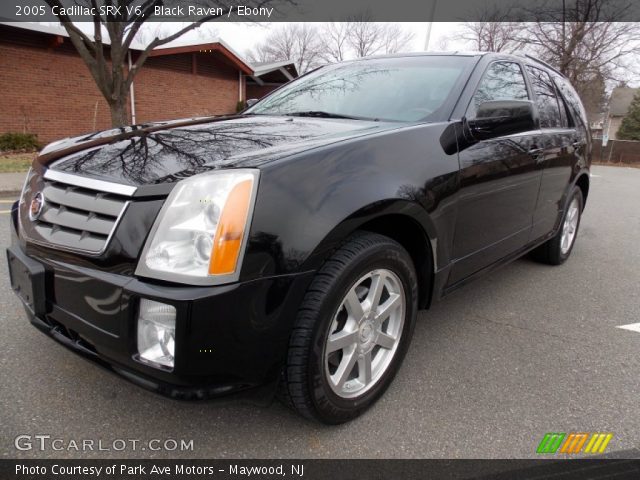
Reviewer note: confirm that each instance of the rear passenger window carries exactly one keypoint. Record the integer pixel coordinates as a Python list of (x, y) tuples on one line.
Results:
[(577, 112), (501, 81), (546, 99)]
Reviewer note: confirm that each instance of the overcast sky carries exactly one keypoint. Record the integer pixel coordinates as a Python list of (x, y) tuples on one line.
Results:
[(243, 36)]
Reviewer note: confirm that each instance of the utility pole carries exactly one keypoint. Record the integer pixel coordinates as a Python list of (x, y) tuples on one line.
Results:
[(432, 13), (564, 36)]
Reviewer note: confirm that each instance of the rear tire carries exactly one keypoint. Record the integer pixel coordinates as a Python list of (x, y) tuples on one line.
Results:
[(556, 250), (352, 331)]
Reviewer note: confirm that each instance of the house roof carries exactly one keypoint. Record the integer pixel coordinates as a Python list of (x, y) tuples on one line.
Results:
[(262, 68), (57, 30), (177, 46), (215, 46), (265, 73), (621, 98)]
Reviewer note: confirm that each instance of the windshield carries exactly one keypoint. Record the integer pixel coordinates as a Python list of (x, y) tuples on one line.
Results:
[(403, 89)]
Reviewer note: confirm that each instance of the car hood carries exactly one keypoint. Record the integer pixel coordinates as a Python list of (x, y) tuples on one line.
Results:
[(168, 152)]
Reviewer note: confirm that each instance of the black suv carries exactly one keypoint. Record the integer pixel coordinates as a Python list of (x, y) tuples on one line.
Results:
[(293, 244)]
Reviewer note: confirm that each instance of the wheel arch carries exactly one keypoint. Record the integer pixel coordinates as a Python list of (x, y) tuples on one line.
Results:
[(583, 183), (405, 222), (409, 233)]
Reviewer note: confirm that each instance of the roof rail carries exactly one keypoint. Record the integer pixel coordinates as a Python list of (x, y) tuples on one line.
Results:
[(531, 57)]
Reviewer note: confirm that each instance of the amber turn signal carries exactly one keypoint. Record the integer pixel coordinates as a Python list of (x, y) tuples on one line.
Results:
[(230, 232)]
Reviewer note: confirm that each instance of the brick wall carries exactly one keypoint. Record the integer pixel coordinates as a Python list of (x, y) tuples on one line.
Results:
[(49, 91), (259, 91), (167, 88)]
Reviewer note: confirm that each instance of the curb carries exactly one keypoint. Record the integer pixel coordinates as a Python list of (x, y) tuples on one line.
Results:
[(10, 193)]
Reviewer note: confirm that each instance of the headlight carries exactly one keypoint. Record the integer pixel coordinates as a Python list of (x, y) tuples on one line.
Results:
[(26, 191), (200, 233)]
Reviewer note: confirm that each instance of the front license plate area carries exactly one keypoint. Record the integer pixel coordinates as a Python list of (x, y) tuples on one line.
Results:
[(27, 280)]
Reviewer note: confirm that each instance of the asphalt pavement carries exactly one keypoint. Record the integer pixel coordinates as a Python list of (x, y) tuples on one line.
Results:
[(527, 350), (11, 183)]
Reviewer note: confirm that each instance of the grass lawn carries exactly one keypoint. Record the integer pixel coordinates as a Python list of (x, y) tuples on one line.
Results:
[(15, 162)]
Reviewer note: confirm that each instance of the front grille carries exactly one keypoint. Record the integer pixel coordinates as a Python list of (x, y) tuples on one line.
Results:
[(73, 217)]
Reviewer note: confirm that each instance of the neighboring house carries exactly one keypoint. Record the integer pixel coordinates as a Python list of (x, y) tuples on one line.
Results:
[(268, 76), (597, 125), (621, 98), (49, 91)]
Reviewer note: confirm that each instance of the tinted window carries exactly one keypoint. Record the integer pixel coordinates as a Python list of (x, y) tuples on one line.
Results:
[(573, 100), (501, 81), (546, 99), (401, 89)]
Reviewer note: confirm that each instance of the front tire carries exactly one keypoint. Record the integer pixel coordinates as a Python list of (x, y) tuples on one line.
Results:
[(556, 250), (352, 331)]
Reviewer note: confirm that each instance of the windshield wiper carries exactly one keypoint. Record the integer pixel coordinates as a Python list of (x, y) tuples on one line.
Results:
[(321, 114)]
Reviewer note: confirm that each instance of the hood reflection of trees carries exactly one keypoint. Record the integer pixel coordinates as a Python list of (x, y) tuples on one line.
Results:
[(153, 157)]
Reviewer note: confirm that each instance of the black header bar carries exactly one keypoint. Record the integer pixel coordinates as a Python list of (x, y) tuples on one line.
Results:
[(322, 10)]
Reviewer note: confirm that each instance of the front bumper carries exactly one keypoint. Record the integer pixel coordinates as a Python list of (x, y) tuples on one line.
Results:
[(228, 338)]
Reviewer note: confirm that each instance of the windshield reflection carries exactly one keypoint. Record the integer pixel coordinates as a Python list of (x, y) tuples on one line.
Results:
[(394, 89)]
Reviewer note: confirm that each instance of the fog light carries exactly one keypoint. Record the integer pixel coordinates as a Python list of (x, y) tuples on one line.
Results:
[(157, 332)]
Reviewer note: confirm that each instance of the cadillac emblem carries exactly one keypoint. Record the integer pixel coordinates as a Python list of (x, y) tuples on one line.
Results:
[(37, 204)]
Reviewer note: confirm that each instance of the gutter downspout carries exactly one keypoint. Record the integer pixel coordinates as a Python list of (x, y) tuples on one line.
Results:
[(132, 94)]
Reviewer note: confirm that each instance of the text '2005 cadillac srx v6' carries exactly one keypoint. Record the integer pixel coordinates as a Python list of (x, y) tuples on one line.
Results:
[(293, 244)]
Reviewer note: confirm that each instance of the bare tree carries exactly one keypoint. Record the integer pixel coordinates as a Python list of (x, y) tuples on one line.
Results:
[(310, 46), (107, 59), (335, 44), (148, 32), (152, 30), (307, 48), (592, 91), (587, 36), (494, 31), (493, 36), (296, 42), (365, 37), (588, 42), (395, 39), (360, 37)]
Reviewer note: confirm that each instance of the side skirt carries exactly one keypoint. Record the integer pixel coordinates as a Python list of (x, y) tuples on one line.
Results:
[(498, 264)]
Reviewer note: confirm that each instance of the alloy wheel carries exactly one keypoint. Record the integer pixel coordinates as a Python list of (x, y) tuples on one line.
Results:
[(570, 226), (365, 333)]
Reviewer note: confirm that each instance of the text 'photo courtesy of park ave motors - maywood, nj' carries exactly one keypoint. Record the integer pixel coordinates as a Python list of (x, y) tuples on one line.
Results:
[(295, 470)]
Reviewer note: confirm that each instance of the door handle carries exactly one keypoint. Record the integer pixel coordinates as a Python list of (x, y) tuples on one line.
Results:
[(576, 144), (537, 154)]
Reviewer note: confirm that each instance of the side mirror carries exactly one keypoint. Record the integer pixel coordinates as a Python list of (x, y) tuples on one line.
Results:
[(502, 117), (251, 102)]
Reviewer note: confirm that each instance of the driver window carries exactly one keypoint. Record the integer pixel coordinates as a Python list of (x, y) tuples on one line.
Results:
[(501, 81)]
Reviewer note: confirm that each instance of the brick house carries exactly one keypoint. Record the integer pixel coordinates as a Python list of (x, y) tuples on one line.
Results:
[(48, 90)]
